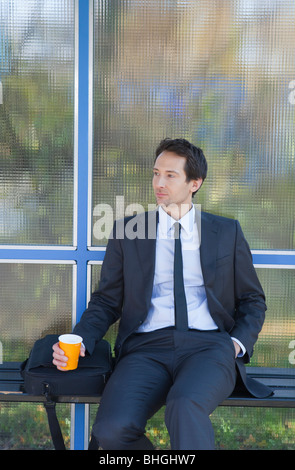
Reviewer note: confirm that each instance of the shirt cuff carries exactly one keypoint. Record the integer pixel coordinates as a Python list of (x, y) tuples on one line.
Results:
[(243, 349)]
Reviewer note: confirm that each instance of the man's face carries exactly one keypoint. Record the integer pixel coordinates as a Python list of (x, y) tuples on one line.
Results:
[(170, 183)]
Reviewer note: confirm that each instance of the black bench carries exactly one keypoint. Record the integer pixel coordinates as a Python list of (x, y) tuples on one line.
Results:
[(281, 381)]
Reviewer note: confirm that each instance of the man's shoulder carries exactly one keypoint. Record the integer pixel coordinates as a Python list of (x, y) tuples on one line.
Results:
[(218, 218)]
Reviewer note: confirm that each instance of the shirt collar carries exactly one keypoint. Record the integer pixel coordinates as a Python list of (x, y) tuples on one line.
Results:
[(166, 222)]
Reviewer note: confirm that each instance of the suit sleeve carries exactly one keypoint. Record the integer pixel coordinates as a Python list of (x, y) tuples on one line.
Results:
[(249, 296), (105, 304)]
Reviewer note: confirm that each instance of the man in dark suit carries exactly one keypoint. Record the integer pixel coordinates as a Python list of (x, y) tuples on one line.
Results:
[(183, 285)]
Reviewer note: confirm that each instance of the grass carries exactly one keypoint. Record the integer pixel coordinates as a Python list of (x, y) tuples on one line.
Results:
[(254, 429), (25, 426), (238, 428)]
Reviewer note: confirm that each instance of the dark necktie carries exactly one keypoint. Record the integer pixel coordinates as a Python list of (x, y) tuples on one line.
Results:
[(181, 322)]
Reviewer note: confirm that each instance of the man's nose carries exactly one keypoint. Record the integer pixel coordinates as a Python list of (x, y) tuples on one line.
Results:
[(161, 182)]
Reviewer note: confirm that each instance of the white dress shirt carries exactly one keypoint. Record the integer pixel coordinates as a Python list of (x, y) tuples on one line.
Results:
[(161, 312)]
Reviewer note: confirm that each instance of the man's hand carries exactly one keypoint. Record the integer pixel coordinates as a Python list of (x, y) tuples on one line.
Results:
[(59, 358), (237, 347)]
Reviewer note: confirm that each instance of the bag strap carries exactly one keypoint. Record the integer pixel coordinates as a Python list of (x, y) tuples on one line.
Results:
[(54, 427)]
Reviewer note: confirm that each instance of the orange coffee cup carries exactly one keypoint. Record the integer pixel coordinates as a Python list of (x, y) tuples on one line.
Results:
[(71, 345)]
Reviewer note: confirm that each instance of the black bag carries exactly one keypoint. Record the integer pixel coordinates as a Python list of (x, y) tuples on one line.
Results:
[(41, 377)]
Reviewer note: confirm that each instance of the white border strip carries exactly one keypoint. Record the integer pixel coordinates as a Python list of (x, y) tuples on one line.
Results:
[(90, 121), (273, 252), (275, 266), (97, 248), (38, 247), (37, 261), (76, 122), (76, 172)]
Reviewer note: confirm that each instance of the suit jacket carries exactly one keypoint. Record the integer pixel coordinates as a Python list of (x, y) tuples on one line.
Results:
[(235, 297)]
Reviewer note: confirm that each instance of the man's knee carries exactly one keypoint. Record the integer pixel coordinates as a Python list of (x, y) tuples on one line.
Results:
[(115, 434), (108, 433)]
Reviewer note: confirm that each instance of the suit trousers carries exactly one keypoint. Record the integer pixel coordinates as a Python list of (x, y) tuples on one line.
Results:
[(191, 372)]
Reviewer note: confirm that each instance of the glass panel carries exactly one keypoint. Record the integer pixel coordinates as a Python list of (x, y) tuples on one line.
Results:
[(254, 428), (276, 343), (95, 278), (24, 426), (218, 73), (36, 121), (36, 299)]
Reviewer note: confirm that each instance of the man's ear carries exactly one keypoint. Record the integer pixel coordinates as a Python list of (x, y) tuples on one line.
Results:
[(196, 184)]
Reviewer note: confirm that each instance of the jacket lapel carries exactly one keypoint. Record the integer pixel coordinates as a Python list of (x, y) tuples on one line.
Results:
[(208, 248), (146, 248)]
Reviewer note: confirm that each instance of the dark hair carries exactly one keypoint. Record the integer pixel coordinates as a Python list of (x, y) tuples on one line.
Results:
[(196, 164)]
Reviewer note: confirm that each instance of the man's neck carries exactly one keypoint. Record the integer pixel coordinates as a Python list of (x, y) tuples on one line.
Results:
[(177, 211)]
